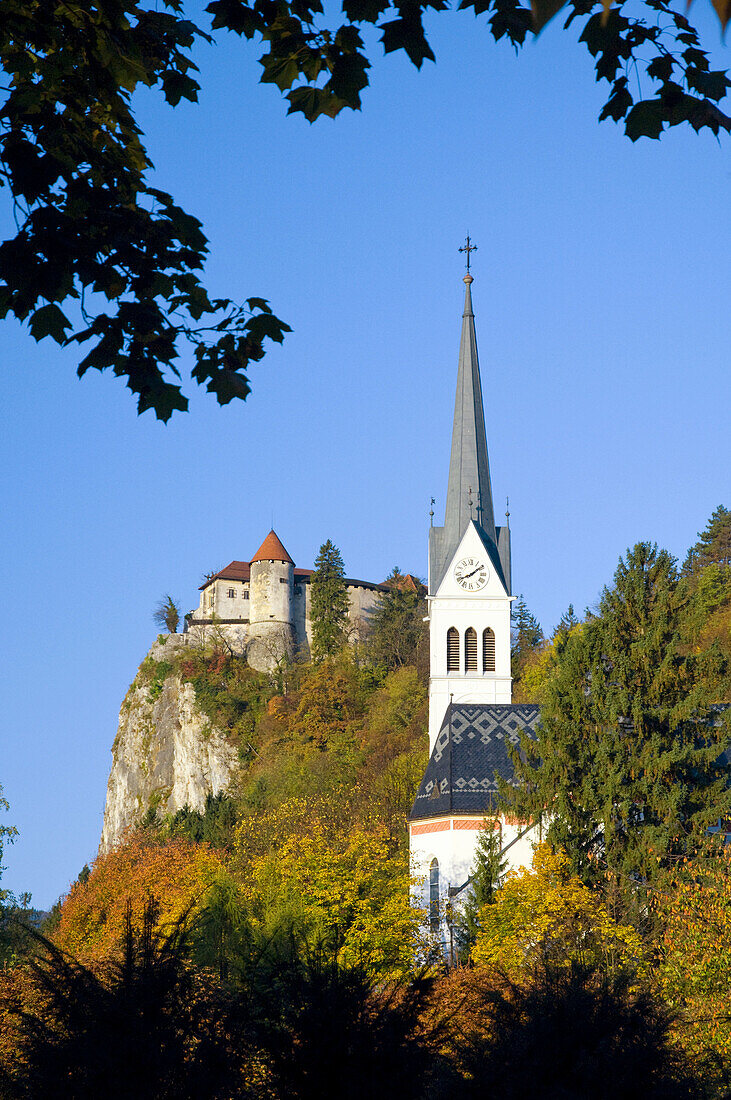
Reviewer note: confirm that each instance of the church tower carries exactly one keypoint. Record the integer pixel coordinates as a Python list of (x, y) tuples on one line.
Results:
[(469, 560)]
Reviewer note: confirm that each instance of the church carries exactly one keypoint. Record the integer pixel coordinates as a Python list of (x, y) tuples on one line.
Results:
[(472, 721)]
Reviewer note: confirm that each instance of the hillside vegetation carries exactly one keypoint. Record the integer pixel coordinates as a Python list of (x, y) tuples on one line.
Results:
[(269, 941)]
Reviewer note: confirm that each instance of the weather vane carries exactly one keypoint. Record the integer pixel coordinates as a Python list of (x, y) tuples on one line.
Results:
[(431, 513), (469, 247)]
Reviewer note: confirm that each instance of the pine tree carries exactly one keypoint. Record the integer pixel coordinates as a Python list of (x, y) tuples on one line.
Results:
[(626, 763), (527, 634), (328, 603), (487, 871), (567, 622), (713, 545)]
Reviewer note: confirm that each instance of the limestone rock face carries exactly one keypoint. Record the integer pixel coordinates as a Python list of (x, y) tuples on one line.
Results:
[(166, 754)]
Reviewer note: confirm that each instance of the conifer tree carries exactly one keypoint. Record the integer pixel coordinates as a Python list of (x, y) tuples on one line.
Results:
[(626, 762), (527, 634), (328, 603), (713, 545), (487, 871)]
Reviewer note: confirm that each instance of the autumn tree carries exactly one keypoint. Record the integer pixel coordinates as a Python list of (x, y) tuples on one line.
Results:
[(328, 602), (695, 949), (547, 917), (94, 915), (626, 762), (102, 259)]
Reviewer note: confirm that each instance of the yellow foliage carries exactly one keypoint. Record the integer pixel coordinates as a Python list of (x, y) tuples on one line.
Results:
[(546, 914), (176, 873), (350, 891), (695, 970)]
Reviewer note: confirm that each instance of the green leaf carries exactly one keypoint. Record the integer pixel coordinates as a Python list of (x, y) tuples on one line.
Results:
[(49, 321)]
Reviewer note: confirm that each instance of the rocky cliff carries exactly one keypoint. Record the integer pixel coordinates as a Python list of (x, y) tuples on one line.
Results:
[(167, 754)]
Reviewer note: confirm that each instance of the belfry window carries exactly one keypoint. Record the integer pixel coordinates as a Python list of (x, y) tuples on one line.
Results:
[(434, 895), (470, 650), (452, 650), (488, 650)]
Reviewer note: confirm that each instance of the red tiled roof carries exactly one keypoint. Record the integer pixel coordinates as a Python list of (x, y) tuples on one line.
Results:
[(272, 550)]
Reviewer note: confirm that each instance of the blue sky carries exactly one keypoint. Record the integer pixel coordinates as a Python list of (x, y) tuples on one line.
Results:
[(601, 301)]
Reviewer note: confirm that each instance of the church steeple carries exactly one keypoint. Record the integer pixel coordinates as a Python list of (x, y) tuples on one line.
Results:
[(469, 492)]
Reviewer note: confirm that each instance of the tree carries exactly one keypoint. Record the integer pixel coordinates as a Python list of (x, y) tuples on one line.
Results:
[(167, 614), (487, 871), (8, 834), (695, 949), (714, 543), (547, 917), (527, 635), (102, 257), (143, 1024), (397, 623), (577, 1034), (627, 759), (328, 603)]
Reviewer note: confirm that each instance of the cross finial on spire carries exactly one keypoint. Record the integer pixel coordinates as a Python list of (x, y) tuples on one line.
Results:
[(469, 247)]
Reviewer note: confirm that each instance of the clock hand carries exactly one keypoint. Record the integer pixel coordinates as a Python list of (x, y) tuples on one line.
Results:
[(468, 575)]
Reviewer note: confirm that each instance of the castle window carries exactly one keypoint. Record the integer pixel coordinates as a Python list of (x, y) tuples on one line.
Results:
[(488, 650), (282, 580), (470, 650), (434, 895), (246, 595), (232, 593), (452, 650)]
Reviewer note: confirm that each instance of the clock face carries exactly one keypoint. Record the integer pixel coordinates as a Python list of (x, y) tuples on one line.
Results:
[(471, 574)]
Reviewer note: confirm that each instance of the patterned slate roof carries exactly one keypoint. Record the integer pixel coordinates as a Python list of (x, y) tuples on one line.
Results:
[(470, 751)]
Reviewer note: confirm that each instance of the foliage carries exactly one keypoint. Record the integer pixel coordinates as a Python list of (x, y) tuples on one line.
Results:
[(179, 873), (8, 834), (548, 917), (328, 603), (331, 1030), (568, 1034), (143, 1024), (167, 614), (487, 871), (695, 970), (627, 756), (94, 238), (714, 543), (215, 826), (526, 635), (232, 695), (398, 633), (349, 892)]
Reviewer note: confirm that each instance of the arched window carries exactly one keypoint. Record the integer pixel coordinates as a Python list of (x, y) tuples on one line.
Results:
[(434, 895), (470, 650), (488, 650), (452, 650)]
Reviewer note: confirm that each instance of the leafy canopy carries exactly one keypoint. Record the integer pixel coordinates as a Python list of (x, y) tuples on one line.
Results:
[(104, 260)]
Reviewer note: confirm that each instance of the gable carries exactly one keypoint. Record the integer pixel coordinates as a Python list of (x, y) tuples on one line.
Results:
[(474, 544)]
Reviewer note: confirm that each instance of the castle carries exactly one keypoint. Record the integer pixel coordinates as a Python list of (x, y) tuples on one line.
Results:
[(472, 721), (261, 608)]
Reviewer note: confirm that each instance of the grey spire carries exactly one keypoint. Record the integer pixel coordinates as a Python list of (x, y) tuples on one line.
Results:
[(469, 469), (469, 493)]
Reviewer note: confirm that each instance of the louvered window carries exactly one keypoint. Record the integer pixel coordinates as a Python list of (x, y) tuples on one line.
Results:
[(452, 650), (434, 895), (488, 650), (470, 650)]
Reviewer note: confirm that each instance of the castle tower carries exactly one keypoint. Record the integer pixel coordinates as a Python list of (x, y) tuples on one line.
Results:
[(271, 604), (469, 560)]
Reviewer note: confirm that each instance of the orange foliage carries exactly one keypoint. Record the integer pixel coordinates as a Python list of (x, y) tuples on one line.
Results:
[(175, 872)]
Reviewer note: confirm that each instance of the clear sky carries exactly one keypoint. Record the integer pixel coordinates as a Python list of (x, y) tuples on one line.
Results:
[(602, 311)]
